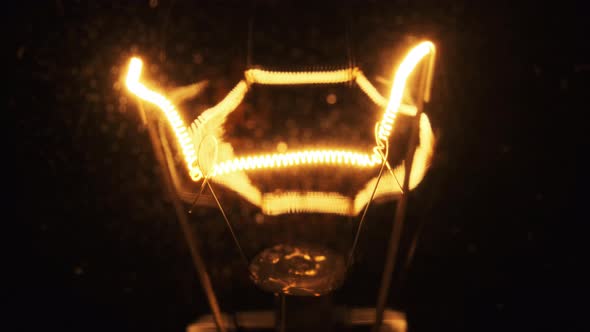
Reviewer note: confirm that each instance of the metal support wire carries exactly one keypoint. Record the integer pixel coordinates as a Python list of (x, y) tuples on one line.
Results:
[(190, 237), (360, 226), (418, 232), (229, 226), (205, 180), (400, 212)]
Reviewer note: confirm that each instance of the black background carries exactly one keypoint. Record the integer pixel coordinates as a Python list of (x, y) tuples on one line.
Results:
[(102, 250)]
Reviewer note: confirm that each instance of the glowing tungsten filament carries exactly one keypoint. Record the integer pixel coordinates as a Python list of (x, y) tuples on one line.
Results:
[(399, 83), (289, 78), (310, 157), (234, 98), (230, 172), (178, 126)]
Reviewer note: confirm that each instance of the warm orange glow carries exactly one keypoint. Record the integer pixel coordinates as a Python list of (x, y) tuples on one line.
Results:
[(278, 160), (335, 203), (289, 78), (377, 98), (182, 135), (228, 170), (399, 85), (302, 202)]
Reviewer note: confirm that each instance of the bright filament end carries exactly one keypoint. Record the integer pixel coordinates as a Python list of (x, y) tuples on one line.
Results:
[(135, 66), (399, 84), (169, 110)]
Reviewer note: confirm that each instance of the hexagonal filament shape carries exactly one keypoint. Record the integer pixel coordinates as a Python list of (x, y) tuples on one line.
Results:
[(231, 171)]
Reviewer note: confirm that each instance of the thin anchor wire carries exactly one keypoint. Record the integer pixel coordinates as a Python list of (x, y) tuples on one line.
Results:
[(231, 229), (205, 173), (249, 43), (358, 231), (194, 203), (391, 172), (208, 184)]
